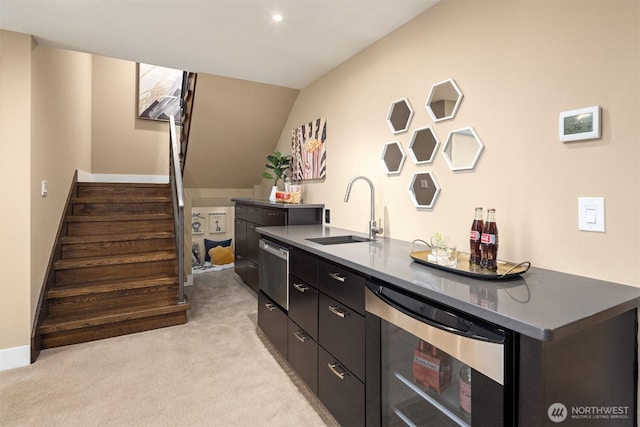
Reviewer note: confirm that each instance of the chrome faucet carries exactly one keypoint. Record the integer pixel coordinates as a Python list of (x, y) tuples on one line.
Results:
[(373, 227)]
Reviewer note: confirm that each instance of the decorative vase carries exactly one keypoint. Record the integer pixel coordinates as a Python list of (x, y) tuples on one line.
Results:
[(272, 196)]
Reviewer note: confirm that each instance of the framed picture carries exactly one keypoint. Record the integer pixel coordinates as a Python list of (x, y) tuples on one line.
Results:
[(217, 222), (159, 92), (308, 152), (197, 223)]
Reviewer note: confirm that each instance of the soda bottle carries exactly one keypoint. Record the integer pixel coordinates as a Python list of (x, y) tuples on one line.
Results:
[(489, 243), (474, 238), (465, 392)]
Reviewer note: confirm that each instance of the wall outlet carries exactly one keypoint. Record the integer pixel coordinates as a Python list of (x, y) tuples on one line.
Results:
[(327, 216)]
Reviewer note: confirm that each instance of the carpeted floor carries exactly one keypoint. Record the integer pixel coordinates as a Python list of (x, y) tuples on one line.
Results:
[(217, 370)]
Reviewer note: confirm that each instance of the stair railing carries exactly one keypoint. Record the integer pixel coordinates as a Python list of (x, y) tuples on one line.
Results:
[(175, 181), (186, 106)]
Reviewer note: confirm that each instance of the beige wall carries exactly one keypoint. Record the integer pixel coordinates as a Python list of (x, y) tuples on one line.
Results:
[(123, 144), (60, 144), (519, 64), (15, 188)]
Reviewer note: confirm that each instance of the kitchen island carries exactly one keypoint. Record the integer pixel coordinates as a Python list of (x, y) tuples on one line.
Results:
[(575, 337)]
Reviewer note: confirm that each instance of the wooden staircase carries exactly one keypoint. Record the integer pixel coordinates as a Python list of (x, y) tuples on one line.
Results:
[(116, 270)]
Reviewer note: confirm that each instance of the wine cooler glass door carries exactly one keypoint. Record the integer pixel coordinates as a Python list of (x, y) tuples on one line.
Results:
[(434, 378)]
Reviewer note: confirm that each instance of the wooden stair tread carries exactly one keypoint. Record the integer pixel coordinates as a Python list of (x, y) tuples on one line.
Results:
[(65, 264), (111, 218), (115, 237), (121, 199), (103, 286), (70, 321)]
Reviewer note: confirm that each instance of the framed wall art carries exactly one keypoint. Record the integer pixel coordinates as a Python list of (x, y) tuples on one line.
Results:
[(197, 223), (308, 151), (217, 222), (159, 92)]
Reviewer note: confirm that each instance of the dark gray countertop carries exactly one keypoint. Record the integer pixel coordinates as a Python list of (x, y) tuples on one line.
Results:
[(276, 205), (543, 304)]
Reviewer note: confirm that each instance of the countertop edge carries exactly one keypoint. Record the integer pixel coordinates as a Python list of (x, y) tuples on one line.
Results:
[(276, 205), (533, 331)]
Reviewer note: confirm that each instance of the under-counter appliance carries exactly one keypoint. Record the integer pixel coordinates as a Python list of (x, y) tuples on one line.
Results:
[(274, 272), (428, 365)]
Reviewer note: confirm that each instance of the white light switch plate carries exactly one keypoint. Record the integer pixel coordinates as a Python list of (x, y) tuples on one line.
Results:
[(591, 214)]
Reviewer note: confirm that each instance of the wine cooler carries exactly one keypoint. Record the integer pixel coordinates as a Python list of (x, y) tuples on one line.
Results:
[(430, 366)]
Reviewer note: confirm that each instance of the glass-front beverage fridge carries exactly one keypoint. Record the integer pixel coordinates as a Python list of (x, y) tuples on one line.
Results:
[(430, 366)]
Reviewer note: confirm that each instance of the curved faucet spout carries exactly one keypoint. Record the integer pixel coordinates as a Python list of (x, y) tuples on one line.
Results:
[(373, 228)]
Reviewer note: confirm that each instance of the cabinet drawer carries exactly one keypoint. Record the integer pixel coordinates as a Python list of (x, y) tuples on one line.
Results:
[(241, 211), (273, 217), (340, 391), (303, 305), (254, 215), (240, 231), (341, 331), (253, 275), (343, 285), (303, 355), (304, 266), (252, 240), (240, 267), (273, 322)]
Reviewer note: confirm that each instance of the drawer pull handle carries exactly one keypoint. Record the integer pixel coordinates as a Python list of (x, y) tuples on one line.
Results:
[(338, 374), (269, 306), (301, 288), (301, 336), (338, 277), (337, 311)]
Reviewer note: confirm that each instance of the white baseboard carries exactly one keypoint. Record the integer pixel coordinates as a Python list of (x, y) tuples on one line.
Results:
[(137, 179), (15, 357), (189, 281)]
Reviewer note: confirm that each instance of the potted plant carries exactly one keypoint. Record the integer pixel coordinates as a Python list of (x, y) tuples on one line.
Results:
[(278, 166)]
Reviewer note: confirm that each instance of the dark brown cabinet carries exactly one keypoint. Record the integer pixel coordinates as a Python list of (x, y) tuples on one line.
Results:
[(341, 332), (273, 322), (340, 391), (303, 355), (303, 305), (326, 313), (251, 214)]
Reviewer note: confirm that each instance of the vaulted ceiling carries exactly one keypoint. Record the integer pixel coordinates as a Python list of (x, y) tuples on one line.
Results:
[(232, 38), (250, 67)]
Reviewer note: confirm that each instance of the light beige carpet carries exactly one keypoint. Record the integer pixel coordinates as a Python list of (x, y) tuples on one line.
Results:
[(217, 370)]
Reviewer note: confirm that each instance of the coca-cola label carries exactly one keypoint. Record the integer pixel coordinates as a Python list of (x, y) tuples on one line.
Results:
[(474, 235), (488, 238)]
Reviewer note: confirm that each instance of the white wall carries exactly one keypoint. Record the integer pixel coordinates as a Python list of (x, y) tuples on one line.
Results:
[(519, 64)]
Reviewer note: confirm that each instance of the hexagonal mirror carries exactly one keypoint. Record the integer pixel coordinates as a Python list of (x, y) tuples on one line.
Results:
[(423, 146), (443, 100), (462, 149), (393, 157), (400, 115), (424, 190)]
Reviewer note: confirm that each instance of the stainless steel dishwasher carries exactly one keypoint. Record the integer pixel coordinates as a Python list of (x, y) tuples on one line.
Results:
[(429, 365), (274, 272)]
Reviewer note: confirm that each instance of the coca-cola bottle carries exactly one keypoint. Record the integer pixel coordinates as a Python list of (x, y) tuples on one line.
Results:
[(465, 392), (489, 242), (474, 238)]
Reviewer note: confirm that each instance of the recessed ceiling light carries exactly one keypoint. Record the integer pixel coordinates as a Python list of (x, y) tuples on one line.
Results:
[(276, 17)]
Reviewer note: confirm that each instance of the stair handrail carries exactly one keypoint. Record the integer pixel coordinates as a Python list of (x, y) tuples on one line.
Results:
[(175, 181)]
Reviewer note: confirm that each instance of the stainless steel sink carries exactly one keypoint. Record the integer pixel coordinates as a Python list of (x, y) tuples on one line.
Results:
[(338, 240)]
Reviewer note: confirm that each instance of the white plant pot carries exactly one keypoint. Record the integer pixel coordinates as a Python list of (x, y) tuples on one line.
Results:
[(272, 196)]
